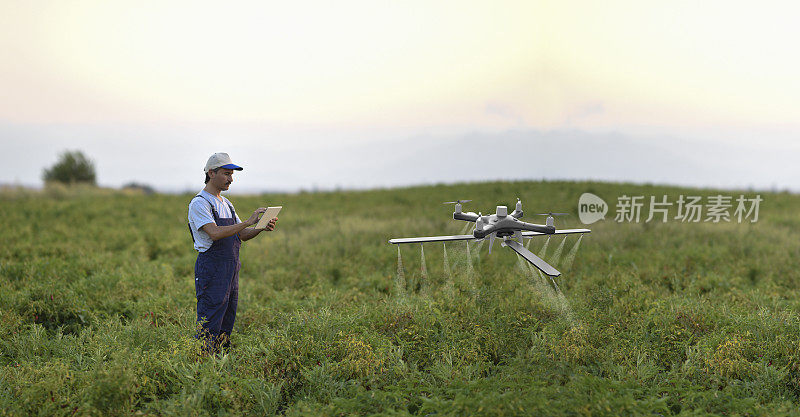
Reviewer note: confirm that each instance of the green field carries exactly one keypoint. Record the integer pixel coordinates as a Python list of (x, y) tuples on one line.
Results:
[(97, 309)]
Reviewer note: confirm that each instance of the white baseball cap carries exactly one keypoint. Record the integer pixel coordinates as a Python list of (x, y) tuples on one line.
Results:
[(221, 160)]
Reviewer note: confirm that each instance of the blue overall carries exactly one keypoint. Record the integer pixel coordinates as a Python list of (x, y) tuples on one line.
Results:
[(216, 285)]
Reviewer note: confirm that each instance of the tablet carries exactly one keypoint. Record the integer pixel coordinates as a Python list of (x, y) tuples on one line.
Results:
[(271, 213)]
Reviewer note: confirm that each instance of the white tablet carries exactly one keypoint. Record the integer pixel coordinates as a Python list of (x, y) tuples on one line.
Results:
[(271, 213)]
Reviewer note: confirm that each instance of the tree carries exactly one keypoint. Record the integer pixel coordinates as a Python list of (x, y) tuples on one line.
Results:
[(72, 167)]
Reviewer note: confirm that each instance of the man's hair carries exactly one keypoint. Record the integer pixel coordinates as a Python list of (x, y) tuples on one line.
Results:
[(215, 170)]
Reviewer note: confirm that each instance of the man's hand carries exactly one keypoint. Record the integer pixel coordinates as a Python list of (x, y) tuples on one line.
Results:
[(250, 233), (271, 225), (254, 217)]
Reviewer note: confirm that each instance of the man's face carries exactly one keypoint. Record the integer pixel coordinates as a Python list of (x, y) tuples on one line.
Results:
[(221, 179)]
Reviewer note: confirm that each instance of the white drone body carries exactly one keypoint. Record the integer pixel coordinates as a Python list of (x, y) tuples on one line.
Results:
[(505, 226)]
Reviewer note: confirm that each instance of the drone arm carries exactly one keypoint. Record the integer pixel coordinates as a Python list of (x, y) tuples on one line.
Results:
[(537, 228), (467, 217)]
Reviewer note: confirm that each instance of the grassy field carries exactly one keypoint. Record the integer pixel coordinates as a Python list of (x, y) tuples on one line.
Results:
[(97, 310)]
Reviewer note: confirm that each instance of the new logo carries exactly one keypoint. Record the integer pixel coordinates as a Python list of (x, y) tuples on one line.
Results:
[(591, 208)]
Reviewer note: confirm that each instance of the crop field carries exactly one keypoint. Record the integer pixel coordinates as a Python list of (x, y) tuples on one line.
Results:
[(97, 309)]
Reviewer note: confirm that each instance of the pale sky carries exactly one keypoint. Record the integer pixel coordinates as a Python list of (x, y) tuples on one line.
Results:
[(177, 81)]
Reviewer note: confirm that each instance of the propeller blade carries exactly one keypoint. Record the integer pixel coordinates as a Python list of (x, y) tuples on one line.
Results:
[(552, 214), (457, 202), (491, 241)]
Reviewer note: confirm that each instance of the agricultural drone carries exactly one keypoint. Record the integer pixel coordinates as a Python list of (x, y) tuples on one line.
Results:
[(505, 226)]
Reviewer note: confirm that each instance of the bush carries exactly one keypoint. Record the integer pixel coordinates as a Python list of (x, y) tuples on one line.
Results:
[(72, 167), (138, 187)]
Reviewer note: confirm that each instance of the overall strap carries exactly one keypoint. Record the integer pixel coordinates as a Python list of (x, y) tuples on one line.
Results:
[(188, 224), (216, 215), (233, 212), (213, 210)]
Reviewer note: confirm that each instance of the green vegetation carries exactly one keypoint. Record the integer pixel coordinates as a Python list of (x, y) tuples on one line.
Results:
[(71, 168), (97, 310)]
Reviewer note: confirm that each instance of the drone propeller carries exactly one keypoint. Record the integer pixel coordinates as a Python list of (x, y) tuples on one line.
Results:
[(457, 202), (552, 214)]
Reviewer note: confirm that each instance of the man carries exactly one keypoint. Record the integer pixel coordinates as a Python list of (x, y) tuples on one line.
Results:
[(217, 233)]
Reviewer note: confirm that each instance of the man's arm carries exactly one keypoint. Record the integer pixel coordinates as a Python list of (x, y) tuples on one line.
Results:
[(248, 234), (220, 232)]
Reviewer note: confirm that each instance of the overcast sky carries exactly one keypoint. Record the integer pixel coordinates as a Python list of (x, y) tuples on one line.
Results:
[(365, 94)]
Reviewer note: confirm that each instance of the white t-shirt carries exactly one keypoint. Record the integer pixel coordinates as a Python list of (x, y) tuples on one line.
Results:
[(200, 215)]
